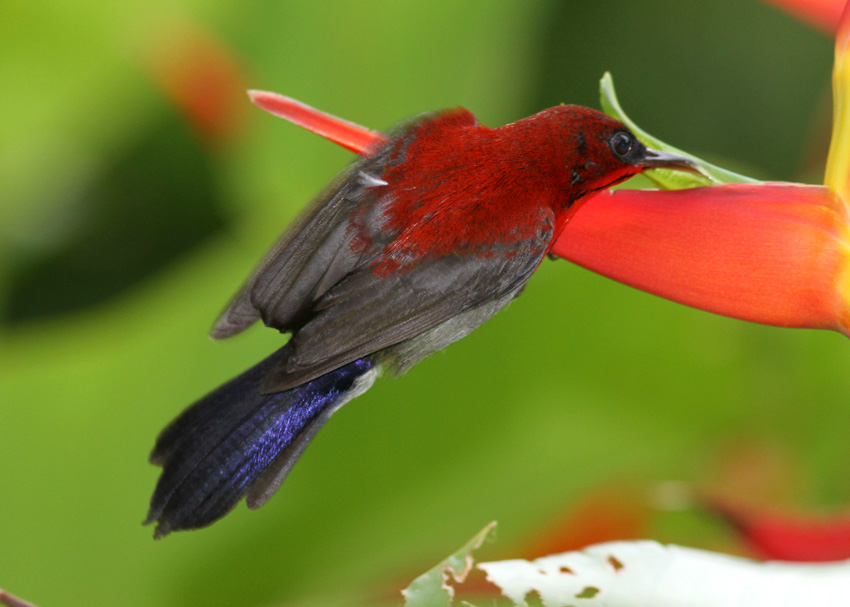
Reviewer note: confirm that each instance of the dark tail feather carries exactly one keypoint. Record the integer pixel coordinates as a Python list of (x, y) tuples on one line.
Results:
[(236, 442)]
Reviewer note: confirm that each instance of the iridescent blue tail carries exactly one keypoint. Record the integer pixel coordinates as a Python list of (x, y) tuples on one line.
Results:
[(237, 442)]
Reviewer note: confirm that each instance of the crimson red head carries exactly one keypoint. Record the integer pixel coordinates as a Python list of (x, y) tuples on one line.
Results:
[(591, 151)]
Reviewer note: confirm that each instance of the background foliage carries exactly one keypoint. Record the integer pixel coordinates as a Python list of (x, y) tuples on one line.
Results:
[(123, 233)]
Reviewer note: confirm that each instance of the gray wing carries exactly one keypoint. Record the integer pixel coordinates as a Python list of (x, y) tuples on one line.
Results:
[(287, 279), (363, 313), (312, 255)]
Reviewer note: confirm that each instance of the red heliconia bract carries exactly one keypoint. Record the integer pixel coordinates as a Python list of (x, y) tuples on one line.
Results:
[(773, 535), (769, 253)]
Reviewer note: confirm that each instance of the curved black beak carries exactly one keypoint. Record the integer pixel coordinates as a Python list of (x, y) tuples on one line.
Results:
[(653, 159)]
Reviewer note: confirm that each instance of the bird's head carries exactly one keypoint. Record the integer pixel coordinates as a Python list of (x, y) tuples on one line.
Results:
[(594, 151)]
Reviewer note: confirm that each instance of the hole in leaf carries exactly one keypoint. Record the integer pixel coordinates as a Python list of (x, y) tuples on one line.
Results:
[(615, 563), (533, 599), (565, 569), (588, 593)]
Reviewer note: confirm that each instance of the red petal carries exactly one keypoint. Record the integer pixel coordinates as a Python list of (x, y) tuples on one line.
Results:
[(354, 137), (823, 14), (783, 537), (768, 253)]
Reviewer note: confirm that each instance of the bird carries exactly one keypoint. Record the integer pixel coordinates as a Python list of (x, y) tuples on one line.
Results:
[(410, 249)]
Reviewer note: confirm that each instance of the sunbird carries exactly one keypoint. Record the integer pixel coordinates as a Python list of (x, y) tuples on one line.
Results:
[(408, 250)]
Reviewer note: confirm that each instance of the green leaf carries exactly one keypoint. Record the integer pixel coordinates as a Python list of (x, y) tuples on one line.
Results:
[(433, 587), (666, 179)]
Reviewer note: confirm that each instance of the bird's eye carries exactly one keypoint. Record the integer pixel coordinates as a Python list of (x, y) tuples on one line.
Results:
[(621, 144)]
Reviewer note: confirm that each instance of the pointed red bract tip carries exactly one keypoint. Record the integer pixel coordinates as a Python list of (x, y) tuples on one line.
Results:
[(779, 536), (842, 36), (775, 254), (353, 137), (823, 14)]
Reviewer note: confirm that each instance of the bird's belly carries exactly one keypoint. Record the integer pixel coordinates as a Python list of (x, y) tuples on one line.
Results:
[(398, 359)]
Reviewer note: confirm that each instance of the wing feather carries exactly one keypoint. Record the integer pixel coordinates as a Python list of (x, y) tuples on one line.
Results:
[(311, 256), (365, 313), (305, 260)]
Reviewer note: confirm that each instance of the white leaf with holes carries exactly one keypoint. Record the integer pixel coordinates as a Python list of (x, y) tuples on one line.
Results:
[(646, 573)]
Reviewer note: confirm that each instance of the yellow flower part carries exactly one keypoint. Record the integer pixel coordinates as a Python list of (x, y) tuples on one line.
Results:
[(837, 175)]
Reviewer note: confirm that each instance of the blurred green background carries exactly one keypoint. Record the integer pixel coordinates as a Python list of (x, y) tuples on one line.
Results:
[(124, 229)]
